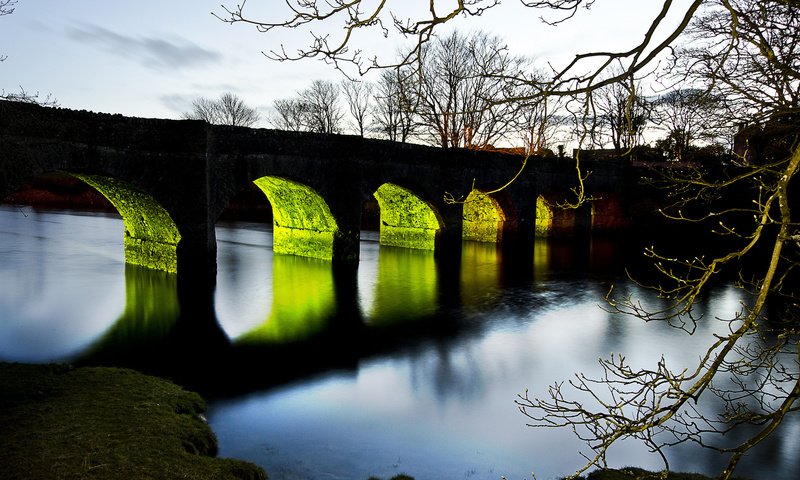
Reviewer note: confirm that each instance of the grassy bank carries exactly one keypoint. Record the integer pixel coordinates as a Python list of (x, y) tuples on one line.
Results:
[(57, 422)]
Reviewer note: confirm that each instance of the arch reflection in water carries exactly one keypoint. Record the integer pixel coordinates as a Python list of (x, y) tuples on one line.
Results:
[(480, 272), (405, 287), (303, 301), (151, 312)]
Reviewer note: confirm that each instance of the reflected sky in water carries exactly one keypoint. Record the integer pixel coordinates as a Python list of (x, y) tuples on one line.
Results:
[(63, 282), (438, 406)]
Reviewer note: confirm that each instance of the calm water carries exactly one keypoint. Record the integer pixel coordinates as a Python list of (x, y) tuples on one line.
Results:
[(376, 374)]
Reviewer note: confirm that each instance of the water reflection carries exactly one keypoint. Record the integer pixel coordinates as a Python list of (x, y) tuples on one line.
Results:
[(480, 272), (433, 399), (405, 286), (62, 282), (151, 312), (303, 301)]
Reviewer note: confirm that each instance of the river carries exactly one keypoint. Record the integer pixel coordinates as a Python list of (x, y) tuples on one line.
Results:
[(410, 385)]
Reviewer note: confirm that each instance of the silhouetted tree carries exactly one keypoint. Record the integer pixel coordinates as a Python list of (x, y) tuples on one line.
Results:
[(228, 109), (687, 116), (392, 111), (323, 112), (459, 91), (622, 113), (358, 95), (6, 8), (290, 114)]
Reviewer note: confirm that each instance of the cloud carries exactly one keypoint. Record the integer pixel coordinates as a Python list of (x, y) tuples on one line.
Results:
[(152, 52)]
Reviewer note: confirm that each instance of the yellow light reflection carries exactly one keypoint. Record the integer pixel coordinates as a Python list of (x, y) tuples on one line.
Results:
[(303, 301), (406, 286), (480, 271)]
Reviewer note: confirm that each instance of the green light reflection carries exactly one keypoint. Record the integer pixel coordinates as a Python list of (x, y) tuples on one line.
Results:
[(303, 301), (151, 311), (406, 286), (480, 272)]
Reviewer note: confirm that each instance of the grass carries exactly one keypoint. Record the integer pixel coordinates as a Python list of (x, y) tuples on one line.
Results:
[(57, 422)]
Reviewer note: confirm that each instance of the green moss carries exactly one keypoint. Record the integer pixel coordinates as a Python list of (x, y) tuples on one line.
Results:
[(483, 218), (151, 236), (104, 423), (406, 220), (303, 223), (302, 301)]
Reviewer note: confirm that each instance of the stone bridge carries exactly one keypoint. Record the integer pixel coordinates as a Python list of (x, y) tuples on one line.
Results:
[(171, 180)]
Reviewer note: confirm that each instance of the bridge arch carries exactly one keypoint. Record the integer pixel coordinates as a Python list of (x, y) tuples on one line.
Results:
[(151, 235), (406, 220), (302, 220), (554, 219), (484, 218)]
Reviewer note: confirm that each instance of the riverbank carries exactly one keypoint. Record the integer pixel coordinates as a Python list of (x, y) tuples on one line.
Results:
[(105, 423)]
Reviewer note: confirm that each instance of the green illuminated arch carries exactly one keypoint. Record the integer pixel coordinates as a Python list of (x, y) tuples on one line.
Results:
[(302, 221), (406, 220), (151, 236), (483, 218)]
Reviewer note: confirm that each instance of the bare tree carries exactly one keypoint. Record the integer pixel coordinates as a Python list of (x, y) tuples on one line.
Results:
[(233, 111), (290, 114), (392, 112), (747, 52), (460, 90), (537, 122), (358, 95), (687, 116), (203, 109), (323, 109), (6, 8), (228, 109), (622, 113)]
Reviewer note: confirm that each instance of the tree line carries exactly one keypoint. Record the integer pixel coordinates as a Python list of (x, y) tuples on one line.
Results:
[(457, 97)]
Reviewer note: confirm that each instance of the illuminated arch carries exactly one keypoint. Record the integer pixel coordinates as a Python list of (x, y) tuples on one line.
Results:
[(483, 218), (406, 220), (544, 217), (302, 221), (151, 236)]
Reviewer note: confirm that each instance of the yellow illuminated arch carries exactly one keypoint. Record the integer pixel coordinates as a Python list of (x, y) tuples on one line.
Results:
[(483, 218), (151, 236), (302, 221), (406, 220)]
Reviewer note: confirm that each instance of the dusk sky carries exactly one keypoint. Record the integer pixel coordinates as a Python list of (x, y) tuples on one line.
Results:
[(151, 58)]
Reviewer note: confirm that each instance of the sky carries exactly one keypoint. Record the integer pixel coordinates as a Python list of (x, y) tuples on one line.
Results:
[(151, 58)]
